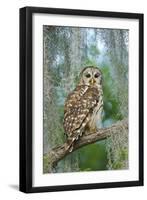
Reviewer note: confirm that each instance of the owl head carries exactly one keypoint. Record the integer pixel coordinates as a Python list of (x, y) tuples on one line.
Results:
[(91, 76)]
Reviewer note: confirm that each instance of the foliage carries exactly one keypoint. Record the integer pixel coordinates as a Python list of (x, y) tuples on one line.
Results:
[(93, 157)]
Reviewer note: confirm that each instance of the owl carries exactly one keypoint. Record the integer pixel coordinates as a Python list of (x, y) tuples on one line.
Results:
[(83, 107)]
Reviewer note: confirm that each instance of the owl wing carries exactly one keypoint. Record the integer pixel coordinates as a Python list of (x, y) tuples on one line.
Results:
[(79, 104)]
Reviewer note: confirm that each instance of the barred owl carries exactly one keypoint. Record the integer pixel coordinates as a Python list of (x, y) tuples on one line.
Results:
[(83, 107)]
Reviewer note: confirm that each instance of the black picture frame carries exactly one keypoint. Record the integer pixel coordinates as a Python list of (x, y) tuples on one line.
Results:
[(26, 97)]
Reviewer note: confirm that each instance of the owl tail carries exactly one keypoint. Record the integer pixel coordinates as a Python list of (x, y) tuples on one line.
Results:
[(71, 140), (70, 144)]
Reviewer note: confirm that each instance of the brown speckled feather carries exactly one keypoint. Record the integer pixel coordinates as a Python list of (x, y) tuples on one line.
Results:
[(79, 104)]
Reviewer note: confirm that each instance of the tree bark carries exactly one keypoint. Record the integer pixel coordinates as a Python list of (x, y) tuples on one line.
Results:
[(58, 153)]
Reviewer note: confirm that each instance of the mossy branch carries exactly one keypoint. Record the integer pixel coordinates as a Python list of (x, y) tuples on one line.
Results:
[(58, 153)]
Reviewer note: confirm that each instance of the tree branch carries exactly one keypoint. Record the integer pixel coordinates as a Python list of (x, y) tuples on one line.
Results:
[(60, 152)]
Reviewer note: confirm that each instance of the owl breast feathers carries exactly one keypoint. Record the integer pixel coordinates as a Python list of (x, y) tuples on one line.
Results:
[(81, 111)]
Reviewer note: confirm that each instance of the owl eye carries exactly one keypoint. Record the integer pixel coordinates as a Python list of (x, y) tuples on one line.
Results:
[(88, 75), (97, 75)]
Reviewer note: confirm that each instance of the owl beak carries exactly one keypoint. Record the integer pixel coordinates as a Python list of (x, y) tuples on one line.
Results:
[(92, 81)]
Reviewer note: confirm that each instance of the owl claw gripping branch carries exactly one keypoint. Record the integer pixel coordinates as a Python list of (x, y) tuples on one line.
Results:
[(83, 107)]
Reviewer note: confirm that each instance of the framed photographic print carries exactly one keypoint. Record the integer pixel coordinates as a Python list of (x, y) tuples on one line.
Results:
[(81, 99)]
